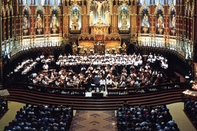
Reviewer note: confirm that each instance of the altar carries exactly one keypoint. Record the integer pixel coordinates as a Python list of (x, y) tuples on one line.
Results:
[(100, 30), (100, 38), (99, 47)]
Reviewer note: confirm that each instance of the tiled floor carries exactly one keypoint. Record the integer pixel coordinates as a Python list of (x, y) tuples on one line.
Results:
[(94, 121)]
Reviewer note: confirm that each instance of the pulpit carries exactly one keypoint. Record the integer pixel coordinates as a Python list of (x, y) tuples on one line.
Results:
[(99, 32)]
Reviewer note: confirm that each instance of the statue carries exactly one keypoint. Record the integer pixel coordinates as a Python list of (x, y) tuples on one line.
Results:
[(99, 6), (54, 22), (124, 25), (74, 48), (124, 47), (25, 22), (160, 21), (75, 24), (39, 21), (91, 18), (173, 21), (145, 21), (107, 17), (124, 19)]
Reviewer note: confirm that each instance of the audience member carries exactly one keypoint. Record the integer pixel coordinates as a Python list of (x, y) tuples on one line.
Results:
[(41, 118), (130, 118)]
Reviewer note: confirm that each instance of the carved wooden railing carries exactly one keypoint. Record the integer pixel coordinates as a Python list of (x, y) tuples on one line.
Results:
[(146, 89), (49, 89), (111, 91), (154, 95)]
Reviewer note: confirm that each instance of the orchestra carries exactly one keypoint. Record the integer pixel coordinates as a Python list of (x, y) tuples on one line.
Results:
[(94, 71)]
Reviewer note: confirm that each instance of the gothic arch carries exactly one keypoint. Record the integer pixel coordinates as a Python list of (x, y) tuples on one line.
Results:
[(75, 13), (159, 6), (124, 17), (124, 5), (55, 7), (41, 8), (85, 37), (170, 9), (75, 5), (116, 37), (144, 6), (28, 8)]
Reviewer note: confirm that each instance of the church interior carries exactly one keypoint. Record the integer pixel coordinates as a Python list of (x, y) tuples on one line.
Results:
[(112, 57)]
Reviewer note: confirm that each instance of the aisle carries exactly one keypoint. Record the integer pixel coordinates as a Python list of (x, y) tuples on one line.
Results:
[(13, 107), (176, 110), (94, 121)]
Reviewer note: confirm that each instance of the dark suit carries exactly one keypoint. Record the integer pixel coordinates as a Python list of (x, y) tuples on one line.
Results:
[(97, 79), (89, 82)]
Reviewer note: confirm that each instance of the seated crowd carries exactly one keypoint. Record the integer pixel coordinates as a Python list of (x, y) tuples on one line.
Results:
[(190, 109), (130, 118), (109, 70), (41, 118)]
